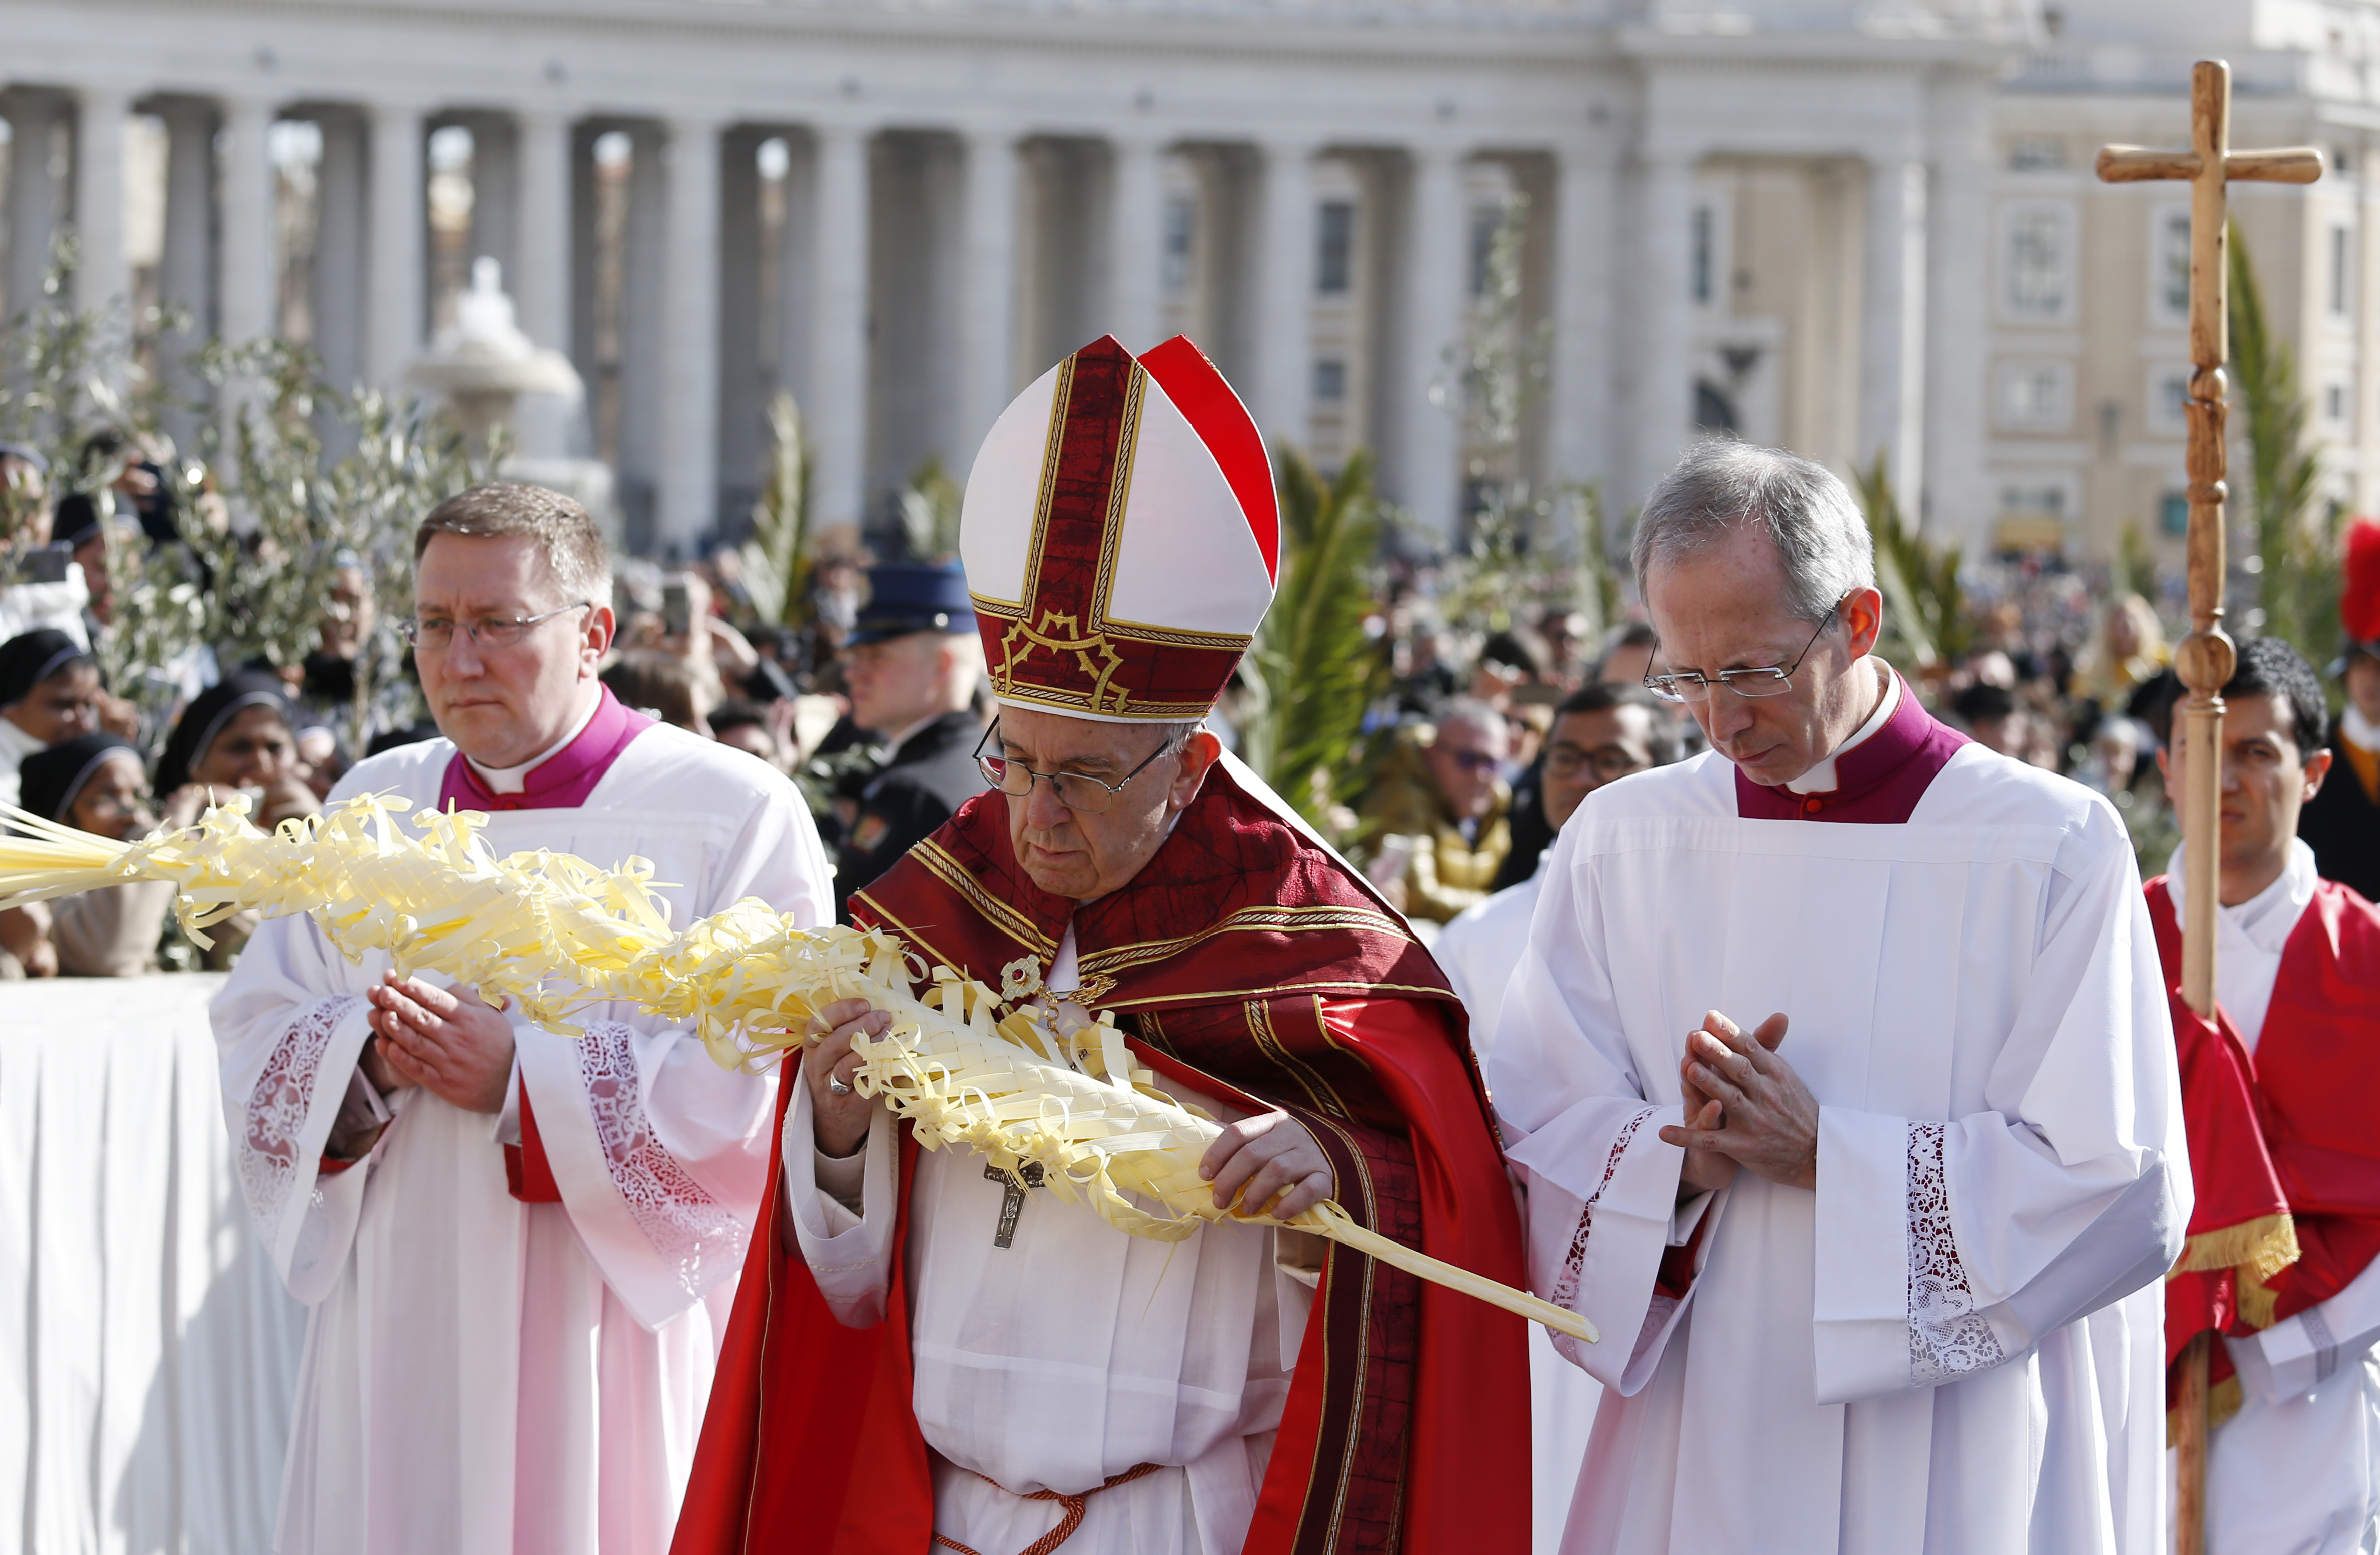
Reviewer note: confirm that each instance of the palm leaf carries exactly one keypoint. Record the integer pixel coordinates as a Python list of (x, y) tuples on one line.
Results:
[(1310, 666)]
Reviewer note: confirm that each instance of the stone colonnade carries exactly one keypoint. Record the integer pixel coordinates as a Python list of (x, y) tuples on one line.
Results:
[(918, 276)]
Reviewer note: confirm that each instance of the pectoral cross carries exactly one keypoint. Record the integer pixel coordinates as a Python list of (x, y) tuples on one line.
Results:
[(1012, 1202), (2204, 660)]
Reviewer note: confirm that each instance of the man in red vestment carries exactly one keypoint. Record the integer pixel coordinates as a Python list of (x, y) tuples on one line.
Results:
[(929, 1354), (2279, 1091)]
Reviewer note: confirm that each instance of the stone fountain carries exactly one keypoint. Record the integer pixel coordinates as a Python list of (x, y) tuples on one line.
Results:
[(482, 365)]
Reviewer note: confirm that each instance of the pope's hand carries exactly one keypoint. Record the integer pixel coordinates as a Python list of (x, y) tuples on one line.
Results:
[(1270, 1154), (839, 1118), (1744, 1107), (453, 1045)]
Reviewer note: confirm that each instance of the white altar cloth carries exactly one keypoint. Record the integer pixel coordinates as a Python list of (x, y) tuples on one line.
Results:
[(148, 1355)]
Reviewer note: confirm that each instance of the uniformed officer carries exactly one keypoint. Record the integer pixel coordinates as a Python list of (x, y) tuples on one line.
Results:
[(914, 665)]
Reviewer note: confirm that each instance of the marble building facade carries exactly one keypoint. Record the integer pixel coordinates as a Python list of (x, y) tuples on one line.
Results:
[(1797, 218)]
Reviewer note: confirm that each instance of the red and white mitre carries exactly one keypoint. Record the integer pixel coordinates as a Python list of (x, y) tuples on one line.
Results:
[(1119, 537)]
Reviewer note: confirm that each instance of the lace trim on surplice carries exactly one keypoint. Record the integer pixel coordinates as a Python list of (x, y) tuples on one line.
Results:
[(269, 1147), (1573, 1261), (698, 1237), (1948, 1339)]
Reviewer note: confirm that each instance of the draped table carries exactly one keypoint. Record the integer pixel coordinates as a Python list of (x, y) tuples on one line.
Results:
[(148, 1352)]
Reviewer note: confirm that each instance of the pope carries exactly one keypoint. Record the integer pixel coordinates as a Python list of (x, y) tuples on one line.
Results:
[(929, 1354)]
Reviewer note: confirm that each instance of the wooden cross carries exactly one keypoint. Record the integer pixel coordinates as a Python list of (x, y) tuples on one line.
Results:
[(2204, 660)]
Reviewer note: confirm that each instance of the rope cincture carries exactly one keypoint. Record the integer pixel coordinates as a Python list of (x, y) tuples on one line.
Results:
[(560, 935)]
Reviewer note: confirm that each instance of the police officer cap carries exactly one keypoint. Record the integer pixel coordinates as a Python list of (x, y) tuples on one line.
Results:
[(902, 599)]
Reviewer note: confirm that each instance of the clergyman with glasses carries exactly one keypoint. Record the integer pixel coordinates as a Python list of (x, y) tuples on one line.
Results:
[(1838, 1074), (519, 1247), (1238, 1391)]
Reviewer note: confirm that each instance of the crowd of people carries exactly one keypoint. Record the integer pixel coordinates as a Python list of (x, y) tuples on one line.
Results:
[(594, 1291)]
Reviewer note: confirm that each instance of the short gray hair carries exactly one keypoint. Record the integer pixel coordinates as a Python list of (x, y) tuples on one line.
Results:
[(1721, 484)]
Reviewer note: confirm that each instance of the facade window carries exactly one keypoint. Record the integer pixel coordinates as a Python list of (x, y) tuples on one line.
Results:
[(2334, 405), (2173, 513), (2036, 396), (2342, 271), (1334, 270), (1705, 258), (1181, 242), (2036, 262), (1329, 380), (2036, 153), (2169, 278), (2044, 500)]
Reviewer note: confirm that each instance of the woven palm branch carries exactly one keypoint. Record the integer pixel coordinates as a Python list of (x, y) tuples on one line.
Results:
[(558, 934)]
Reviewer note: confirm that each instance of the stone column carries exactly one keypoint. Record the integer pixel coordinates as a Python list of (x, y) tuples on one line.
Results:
[(1957, 495), (35, 198), (1136, 242), (1582, 355), (1661, 376), (342, 249), (988, 315), (104, 275), (400, 225), (1892, 324), (838, 395), (688, 507), (250, 281), (1434, 307), (1284, 381), (540, 279)]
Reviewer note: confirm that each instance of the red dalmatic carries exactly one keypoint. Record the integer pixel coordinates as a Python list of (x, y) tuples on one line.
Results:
[(2283, 1156), (1407, 1422)]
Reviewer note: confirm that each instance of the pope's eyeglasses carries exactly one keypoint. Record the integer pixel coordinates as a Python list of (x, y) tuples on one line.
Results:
[(1079, 792)]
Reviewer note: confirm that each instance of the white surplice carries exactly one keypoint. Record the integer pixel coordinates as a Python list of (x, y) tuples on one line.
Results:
[(1477, 951), (1955, 1342), (1074, 1354), (2297, 1470), (482, 1374)]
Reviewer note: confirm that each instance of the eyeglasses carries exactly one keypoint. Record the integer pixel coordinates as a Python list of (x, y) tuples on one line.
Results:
[(1690, 685), (1609, 761), (1471, 761), (436, 634), (1079, 792)]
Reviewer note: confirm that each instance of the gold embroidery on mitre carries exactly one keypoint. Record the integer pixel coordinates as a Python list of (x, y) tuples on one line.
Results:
[(1062, 634)]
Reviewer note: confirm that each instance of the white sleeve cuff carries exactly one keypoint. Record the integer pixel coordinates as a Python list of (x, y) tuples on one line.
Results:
[(2295, 1356), (1859, 1295), (1690, 1215), (508, 1123)]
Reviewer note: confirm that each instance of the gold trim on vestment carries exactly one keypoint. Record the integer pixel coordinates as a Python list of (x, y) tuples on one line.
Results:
[(1353, 986), (1005, 918), (1319, 1091), (1276, 919)]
